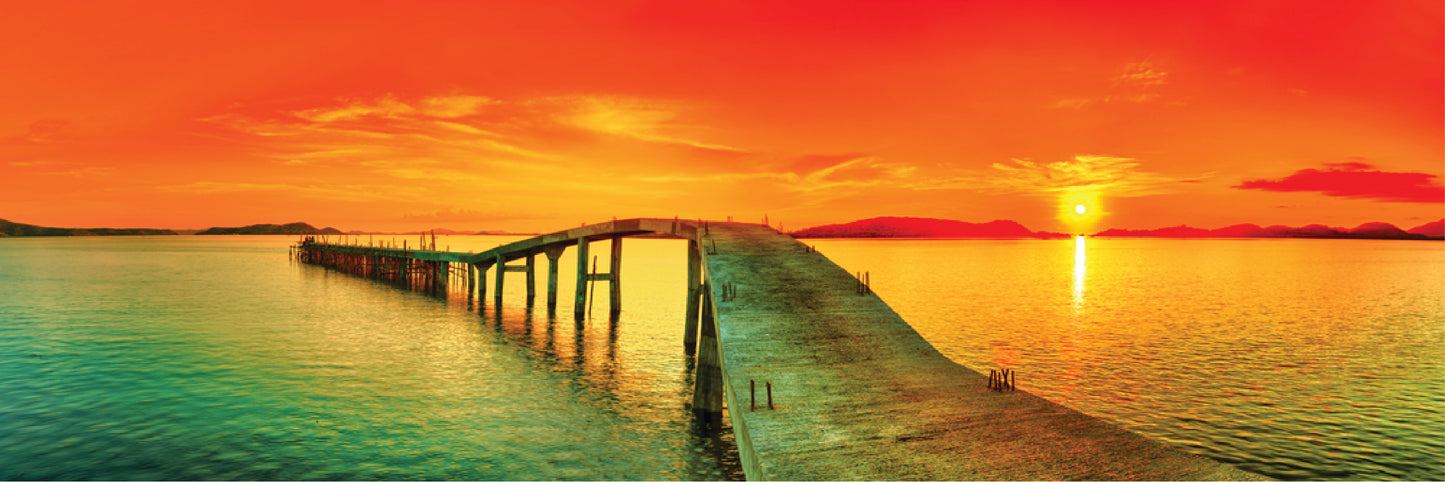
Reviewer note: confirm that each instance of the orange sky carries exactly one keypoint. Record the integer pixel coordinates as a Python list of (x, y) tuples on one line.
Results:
[(542, 115)]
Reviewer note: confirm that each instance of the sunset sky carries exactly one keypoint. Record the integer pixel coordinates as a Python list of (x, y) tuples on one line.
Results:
[(536, 116)]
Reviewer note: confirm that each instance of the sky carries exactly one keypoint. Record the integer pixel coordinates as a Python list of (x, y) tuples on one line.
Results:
[(537, 116)]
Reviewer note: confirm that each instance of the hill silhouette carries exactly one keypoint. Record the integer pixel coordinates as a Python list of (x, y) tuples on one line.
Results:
[(1374, 230), (272, 229), (904, 227), (8, 229)]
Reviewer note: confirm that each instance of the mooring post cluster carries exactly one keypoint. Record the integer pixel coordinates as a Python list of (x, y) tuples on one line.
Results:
[(1002, 380)]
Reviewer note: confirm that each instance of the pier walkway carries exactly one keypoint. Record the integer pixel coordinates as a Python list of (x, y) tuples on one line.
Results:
[(855, 392)]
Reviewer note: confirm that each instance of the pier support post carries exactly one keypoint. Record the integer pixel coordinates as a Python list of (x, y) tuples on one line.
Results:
[(531, 278), (615, 298), (443, 271), (501, 273), (707, 395), (552, 255), (481, 284), (694, 279), (471, 281), (579, 308)]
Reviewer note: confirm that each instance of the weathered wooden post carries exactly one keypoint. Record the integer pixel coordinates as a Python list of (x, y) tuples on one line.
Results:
[(579, 308), (531, 278), (501, 274), (481, 284), (553, 254), (694, 290), (471, 281), (444, 271), (707, 395), (615, 297)]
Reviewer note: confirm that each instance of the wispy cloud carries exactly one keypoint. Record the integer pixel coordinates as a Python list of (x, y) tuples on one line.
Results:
[(1142, 74), (811, 173), (1137, 83), (640, 119), (1111, 175), (467, 133), (1356, 180), (460, 215)]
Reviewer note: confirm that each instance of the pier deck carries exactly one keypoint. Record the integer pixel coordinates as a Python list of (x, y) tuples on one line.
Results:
[(860, 395), (856, 393)]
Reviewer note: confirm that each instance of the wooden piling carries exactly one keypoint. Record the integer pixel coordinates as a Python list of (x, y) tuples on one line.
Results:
[(615, 294), (501, 275), (531, 278), (579, 306), (592, 291), (552, 255)]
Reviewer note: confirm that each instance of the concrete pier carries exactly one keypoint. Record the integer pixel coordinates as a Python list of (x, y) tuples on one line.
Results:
[(860, 395), (852, 392)]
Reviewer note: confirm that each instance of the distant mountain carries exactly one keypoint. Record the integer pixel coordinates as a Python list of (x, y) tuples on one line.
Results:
[(293, 228), (901, 227), (1434, 229), (8, 229), (1364, 231)]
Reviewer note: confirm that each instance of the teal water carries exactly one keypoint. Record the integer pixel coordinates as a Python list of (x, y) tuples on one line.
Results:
[(197, 358), (1299, 359), (215, 358)]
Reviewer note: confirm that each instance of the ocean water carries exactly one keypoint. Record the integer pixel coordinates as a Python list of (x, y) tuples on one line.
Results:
[(202, 358), (1299, 359), (163, 358)]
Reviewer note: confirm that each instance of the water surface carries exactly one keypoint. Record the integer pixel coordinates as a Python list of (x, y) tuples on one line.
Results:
[(215, 358), (1304, 358)]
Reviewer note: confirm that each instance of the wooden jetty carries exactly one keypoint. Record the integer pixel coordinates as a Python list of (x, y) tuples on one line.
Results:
[(819, 377)]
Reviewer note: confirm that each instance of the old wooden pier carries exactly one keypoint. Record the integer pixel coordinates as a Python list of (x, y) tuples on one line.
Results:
[(851, 391)]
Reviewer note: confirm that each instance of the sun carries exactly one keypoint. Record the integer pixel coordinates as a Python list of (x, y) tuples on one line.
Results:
[(1080, 209)]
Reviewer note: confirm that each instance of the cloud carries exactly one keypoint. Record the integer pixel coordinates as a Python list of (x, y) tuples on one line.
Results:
[(1115, 176), (391, 107), (1356, 180), (1142, 74), (472, 134), (460, 215), (640, 119), (1138, 83), (816, 172), (453, 106)]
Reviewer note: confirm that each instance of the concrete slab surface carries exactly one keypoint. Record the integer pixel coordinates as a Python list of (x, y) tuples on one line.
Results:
[(860, 395)]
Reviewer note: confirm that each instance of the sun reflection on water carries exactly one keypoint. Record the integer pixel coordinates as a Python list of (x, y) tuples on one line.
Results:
[(1081, 266)]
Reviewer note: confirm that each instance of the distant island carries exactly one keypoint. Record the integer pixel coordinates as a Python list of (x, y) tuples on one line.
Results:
[(905, 227), (9, 229), (1432, 230), (273, 229)]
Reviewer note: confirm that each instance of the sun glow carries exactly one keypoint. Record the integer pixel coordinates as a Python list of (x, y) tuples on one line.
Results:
[(1080, 210)]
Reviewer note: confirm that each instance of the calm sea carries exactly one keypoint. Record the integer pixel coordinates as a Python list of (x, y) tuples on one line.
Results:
[(216, 358), (1299, 359), (200, 357)]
